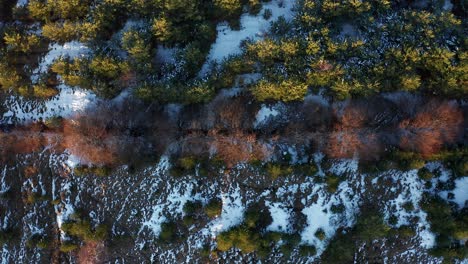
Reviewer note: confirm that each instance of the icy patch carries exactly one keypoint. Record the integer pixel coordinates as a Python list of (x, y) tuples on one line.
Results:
[(4, 186), (73, 161), (280, 218), (172, 205), (267, 113), (173, 110), (412, 191), (22, 3), (348, 30), (253, 27), (67, 103), (345, 166), (461, 191), (232, 213), (163, 164), (248, 78), (320, 216), (70, 49), (63, 211), (447, 5), (317, 99), (166, 55)]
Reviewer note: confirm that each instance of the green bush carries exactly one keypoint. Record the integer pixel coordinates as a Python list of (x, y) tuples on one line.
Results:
[(449, 225), (239, 237), (7, 235), (425, 174), (67, 247), (192, 207), (408, 206), (320, 234), (169, 233), (85, 170), (38, 241), (406, 231), (307, 250), (82, 229), (276, 170), (333, 181), (214, 208)]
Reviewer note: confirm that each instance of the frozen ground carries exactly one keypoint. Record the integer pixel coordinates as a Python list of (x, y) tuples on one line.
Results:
[(70, 50), (253, 27), (68, 102)]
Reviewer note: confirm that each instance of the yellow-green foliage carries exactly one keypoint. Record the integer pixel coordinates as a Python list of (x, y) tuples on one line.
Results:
[(67, 247), (286, 90), (83, 230), (214, 208)]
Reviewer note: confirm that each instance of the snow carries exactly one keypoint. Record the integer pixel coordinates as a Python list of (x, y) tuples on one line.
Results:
[(317, 218), (67, 103), (320, 216), (71, 50), (280, 217), (174, 203), (166, 55), (232, 213), (461, 191), (412, 188), (72, 161), (64, 210), (21, 3), (4, 186), (447, 5), (253, 27), (267, 113)]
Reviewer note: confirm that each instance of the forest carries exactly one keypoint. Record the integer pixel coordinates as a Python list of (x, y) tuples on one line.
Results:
[(233, 131)]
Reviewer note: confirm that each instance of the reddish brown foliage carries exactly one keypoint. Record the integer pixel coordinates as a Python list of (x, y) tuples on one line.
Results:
[(90, 141), (353, 134), (239, 147), (92, 253), (436, 124)]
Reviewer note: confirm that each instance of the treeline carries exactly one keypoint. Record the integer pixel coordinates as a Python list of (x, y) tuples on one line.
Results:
[(132, 133), (123, 35), (347, 48)]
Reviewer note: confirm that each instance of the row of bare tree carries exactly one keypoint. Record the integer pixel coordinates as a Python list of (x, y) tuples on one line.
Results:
[(131, 132)]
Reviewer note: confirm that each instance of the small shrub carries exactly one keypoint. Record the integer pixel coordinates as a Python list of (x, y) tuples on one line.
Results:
[(425, 174), (393, 220), (406, 231), (333, 182), (192, 207), (188, 220), (214, 208), (205, 251), (169, 232), (54, 122), (337, 209), (408, 206), (320, 234), (67, 247), (187, 163), (267, 14), (307, 250), (38, 241)]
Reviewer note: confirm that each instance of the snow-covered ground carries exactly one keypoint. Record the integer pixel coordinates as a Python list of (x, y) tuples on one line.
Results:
[(253, 27), (232, 212), (68, 102), (70, 50), (268, 113), (319, 213), (411, 190)]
